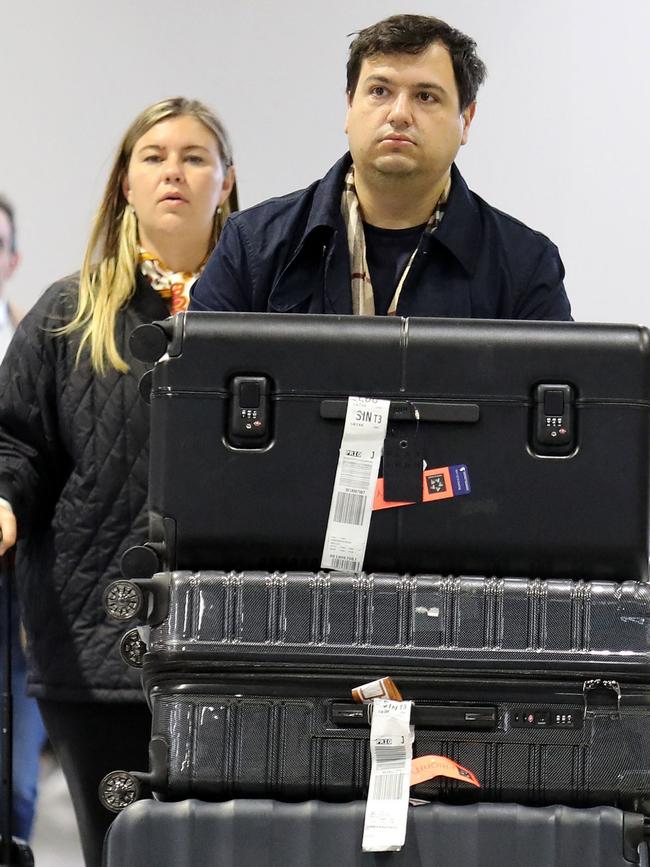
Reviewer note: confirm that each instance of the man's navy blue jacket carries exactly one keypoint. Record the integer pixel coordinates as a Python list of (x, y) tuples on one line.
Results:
[(290, 255)]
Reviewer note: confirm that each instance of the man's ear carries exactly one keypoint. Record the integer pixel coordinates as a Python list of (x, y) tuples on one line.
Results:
[(14, 262), (467, 116), (348, 100)]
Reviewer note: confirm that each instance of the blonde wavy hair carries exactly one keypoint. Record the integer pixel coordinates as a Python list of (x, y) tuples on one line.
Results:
[(108, 273)]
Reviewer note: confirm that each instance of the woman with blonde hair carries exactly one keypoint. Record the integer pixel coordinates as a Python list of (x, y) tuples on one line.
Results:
[(74, 436)]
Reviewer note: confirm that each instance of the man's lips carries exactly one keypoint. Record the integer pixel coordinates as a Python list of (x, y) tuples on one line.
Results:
[(398, 140)]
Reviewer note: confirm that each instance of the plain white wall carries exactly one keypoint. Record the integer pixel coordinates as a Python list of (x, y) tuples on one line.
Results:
[(560, 139)]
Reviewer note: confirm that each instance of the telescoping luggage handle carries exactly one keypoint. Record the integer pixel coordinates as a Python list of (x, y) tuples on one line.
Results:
[(13, 852), (471, 717), (406, 410)]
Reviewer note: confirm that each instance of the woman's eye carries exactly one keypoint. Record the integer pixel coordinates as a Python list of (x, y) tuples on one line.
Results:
[(152, 158), (195, 159)]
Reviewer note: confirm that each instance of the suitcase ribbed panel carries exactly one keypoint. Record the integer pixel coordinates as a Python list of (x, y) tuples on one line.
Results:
[(223, 745), (250, 833), (245, 670), (518, 622)]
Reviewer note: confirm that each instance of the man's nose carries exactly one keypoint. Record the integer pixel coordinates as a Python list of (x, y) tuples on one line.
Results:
[(400, 114)]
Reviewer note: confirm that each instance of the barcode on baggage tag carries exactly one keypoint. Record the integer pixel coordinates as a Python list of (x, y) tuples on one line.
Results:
[(388, 758), (350, 508), (388, 788), (345, 564)]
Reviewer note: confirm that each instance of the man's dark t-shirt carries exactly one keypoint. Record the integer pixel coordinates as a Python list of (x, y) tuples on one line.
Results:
[(387, 253)]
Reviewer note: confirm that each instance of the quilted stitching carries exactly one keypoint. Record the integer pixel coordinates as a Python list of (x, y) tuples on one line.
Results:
[(74, 460)]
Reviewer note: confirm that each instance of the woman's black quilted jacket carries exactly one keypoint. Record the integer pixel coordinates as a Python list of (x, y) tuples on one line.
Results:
[(74, 464)]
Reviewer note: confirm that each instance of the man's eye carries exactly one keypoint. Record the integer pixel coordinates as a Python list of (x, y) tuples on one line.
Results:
[(377, 90), (426, 96)]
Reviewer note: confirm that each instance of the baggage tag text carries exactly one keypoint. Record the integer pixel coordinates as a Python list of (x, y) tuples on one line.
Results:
[(354, 485), (391, 753)]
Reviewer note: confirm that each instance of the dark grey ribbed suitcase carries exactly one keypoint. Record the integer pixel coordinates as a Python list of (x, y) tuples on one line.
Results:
[(550, 422), (394, 620), (254, 833), (541, 688)]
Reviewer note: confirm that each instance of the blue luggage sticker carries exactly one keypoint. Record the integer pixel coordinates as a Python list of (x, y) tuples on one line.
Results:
[(460, 479)]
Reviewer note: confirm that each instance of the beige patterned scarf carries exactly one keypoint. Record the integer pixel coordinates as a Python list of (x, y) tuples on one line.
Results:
[(363, 299), (173, 286)]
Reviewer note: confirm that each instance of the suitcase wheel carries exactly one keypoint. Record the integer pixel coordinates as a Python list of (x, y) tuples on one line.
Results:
[(118, 790), (132, 648), (122, 600)]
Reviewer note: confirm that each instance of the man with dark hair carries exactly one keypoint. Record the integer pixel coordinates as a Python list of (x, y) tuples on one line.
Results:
[(28, 731), (392, 228), (9, 258)]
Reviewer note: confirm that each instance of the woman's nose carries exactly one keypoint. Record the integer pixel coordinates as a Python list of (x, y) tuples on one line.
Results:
[(173, 169)]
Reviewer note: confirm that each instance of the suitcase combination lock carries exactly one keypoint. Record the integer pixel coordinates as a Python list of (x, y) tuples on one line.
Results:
[(248, 418), (554, 431)]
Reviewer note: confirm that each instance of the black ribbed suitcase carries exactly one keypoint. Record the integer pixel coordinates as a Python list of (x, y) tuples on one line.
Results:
[(256, 833), (541, 688), (535, 438)]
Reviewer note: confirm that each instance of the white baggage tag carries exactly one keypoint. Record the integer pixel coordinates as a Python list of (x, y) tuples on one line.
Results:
[(355, 483), (144, 632), (391, 753)]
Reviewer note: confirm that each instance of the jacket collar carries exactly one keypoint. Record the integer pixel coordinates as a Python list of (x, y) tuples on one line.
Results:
[(460, 231), (325, 209)]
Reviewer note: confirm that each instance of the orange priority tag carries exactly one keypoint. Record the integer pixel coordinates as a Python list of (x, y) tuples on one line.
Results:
[(383, 688), (439, 483), (436, 485), (427, 767), (379, 501)]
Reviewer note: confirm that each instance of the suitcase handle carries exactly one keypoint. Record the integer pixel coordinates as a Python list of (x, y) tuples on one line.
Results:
[(406, 410), (446, 716)]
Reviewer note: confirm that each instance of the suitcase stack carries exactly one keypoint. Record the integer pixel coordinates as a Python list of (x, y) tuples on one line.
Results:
[(539, 684)]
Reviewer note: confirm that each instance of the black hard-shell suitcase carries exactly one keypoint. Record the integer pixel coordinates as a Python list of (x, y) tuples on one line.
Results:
[(485, 396), (541, 688), (256, 833), (594, 628)]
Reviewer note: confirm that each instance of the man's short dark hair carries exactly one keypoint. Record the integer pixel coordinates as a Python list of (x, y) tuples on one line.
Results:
[(412, 34), (7, 207)]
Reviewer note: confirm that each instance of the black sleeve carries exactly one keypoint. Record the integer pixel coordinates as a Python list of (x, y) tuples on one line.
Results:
[(545, 296), (32, 459), (226, 283)]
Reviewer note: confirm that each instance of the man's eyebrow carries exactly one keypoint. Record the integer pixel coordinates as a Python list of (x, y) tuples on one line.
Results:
[(420, 85), (429, 85)]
